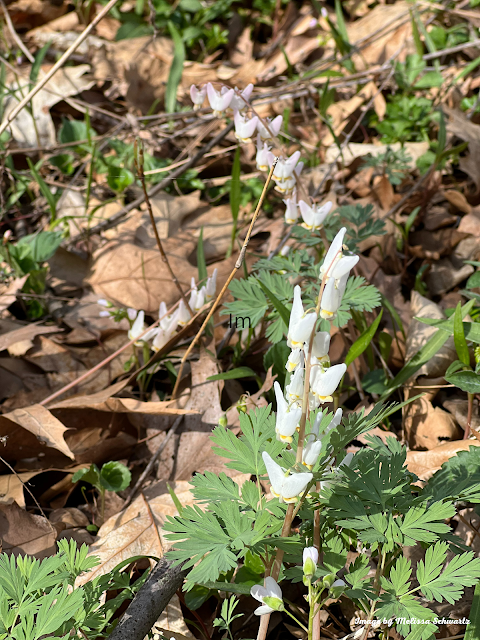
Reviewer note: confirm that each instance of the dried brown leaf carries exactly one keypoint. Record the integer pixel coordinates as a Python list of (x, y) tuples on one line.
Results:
[(24, 533), (425, 463)]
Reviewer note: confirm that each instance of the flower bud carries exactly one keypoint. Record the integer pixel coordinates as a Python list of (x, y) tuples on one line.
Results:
[(337, 588), (310, 559), (223, 422), (328, 581)]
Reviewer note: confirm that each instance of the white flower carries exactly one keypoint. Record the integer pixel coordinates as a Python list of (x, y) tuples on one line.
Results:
[(218, 101), (104, 314), (334, 253), (285, 486), (335, 421), (291, 212), (183, 313), (165, 330), (285, 166), (237, 102), (211, 286), (103, 303), (287, 417), (138, 327), (294, 359), (164, 318), (197, 96), (321, 345), (332, 297), (313, 216), (273, 125), (294, 390), (311, 451), (200, 299), (244, 127), (284, 250), (131, 313), (344, 266), (310, 559), (262, 154), (269, 595), (301, 325), (327, 381)]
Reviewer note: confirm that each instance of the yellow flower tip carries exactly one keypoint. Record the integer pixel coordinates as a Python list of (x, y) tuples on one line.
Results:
[(292, 367), (326, 315), (325, 399), (289, 220), (288, 439), (290, 500), (309, 466), (263, 167)]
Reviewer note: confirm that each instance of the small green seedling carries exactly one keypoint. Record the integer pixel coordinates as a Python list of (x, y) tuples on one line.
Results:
[(114, 476)]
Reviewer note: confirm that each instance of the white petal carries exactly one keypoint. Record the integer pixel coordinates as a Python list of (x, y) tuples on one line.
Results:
[(137, 326), (258, 592), (263, 610), (321, 344), (333, 251), (275, 472), (302, 330), (310, 552), (272, 588), (326, 383), (343, 266), (295, 484)]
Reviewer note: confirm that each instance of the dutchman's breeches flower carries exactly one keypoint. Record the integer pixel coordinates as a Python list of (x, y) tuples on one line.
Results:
[(327, 381), (314, 216), (285, 486), (183, 313), (301, 325), (211, 286), (274, 125), (197, 96), (294, 390), (332, 297), (285, 166), (244, 127), (333, 254), (288, 417), (262, 154), (269, 595), (138, 327), (219, 102), (311, 451), (294, 359), (291, 211), (239, 103)]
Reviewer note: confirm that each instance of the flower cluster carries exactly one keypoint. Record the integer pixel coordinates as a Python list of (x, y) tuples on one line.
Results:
[(287, 169), (160, 335)]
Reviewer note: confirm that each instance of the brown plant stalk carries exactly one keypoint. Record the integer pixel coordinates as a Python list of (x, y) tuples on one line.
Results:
[(237, 266)]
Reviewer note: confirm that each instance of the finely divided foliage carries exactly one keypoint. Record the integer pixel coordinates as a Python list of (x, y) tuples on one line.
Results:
[(236, 537)]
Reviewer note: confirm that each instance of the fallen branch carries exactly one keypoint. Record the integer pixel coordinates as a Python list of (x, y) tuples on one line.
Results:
[(150, 601)]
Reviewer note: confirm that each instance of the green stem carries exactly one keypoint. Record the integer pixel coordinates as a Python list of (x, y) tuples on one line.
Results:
[(297, 621)]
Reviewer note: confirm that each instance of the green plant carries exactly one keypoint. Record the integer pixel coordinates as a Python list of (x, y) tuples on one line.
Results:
[(37, 599), (113, 476), (27, 257), (392, 163)]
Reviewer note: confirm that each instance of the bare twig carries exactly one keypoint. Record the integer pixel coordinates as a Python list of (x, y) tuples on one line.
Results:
[(237, 266), (139, 163), (14, 34), (91, 371), (153, 459), (115, 219), (58, 65)]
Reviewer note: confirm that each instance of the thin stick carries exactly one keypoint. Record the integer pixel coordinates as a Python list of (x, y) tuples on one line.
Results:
[(25, 486), (152, 461), (237, 266), (115, 219), (15, 35), (60, 62), (139, 163), (98, 366)]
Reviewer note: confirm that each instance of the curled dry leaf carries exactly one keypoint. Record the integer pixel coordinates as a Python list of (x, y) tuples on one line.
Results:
[(37, 420), (11, 487), (425, 463), (427, 426), (28, 332)]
